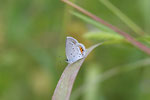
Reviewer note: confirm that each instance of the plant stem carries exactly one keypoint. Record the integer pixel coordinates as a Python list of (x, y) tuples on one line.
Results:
[(127, 36)]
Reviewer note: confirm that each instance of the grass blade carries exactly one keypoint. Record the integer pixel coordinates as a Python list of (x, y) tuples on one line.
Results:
[(123, 17), (93, 22), (64, 86)]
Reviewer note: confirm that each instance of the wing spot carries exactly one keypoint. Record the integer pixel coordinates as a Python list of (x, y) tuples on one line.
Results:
[(81, 50), (71, 53)]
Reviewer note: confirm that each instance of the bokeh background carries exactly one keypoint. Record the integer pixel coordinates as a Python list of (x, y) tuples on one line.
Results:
[(32, 50)]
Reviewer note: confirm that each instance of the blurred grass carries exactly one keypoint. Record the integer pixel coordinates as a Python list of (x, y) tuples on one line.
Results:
[(123, 17), (144, 8), (105, 76), (26, 49), (32, 37), (93, 92), (104, 36), (92, 22)]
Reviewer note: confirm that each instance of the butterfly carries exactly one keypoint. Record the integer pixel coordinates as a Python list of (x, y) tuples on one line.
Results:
[(74, 50)]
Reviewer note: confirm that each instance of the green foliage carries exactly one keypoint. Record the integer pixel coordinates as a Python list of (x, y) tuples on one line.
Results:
[(122, 16), (92, 22), (32, 49)]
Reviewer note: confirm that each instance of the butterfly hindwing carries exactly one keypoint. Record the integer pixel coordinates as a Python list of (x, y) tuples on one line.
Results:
[(74, 50)]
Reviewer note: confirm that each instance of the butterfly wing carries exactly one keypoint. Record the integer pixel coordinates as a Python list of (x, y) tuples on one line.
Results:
[(82, 49), (73, 50)]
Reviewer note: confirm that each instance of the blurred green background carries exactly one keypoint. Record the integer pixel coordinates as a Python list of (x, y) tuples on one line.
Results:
[(32, 50)]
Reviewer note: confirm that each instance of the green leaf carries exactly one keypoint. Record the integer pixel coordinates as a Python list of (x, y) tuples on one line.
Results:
[(64, 86), (105, 36)]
